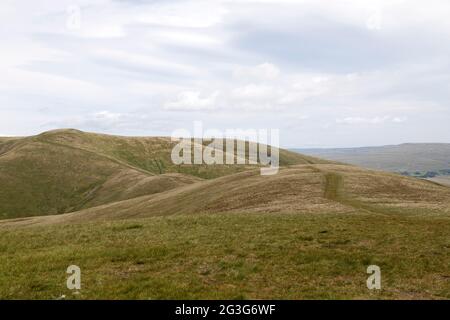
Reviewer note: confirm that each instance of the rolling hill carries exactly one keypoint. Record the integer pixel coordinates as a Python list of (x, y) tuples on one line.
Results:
[(67, 170), (145, 229), (305, 189), (444, 180)]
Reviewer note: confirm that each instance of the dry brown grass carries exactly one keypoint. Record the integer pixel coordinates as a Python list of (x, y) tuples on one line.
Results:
[(444, 180), (302, 189)]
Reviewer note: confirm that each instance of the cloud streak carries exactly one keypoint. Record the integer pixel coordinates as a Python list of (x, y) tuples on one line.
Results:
[(321, 72)]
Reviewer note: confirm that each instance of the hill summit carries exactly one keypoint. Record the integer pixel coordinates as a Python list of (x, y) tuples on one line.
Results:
[(66, 170)]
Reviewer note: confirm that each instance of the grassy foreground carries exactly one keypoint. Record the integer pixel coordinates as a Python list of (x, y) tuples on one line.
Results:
[(232, 256)]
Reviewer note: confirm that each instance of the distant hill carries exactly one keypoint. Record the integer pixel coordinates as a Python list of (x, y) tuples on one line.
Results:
[(67, 170), (424, 160), (445, 180)]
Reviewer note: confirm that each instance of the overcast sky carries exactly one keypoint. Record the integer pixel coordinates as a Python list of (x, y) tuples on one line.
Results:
[(326, 73)]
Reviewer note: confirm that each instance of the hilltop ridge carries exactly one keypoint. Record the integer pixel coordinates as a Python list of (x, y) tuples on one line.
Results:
[(66, 170)]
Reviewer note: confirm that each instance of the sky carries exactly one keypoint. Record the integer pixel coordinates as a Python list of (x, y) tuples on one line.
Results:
[(325, 73)]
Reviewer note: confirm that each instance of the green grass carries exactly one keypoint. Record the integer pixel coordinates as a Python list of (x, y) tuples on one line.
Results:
[(250, 256), (153, 154)]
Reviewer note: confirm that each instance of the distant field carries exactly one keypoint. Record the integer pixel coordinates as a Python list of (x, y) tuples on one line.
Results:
[(423, 160)]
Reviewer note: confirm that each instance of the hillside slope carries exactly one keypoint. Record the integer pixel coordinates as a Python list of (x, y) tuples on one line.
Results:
[(67, 170), (444, 180), (301, 189), (308, 232)]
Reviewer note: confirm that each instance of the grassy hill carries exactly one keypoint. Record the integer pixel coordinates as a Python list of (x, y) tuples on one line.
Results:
[(308, 232), (67, 170), (305, 189)]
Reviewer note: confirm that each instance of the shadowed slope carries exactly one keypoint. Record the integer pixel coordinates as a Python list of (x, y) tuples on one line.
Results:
[(38, 178)]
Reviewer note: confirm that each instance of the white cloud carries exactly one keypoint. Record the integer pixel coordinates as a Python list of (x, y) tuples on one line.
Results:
[(108, 116), (254, 92), (375, 20), (184, 14), (373, 120), (356, 65), (264, 71), (192, 100), (126, 58), (399, 119)]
